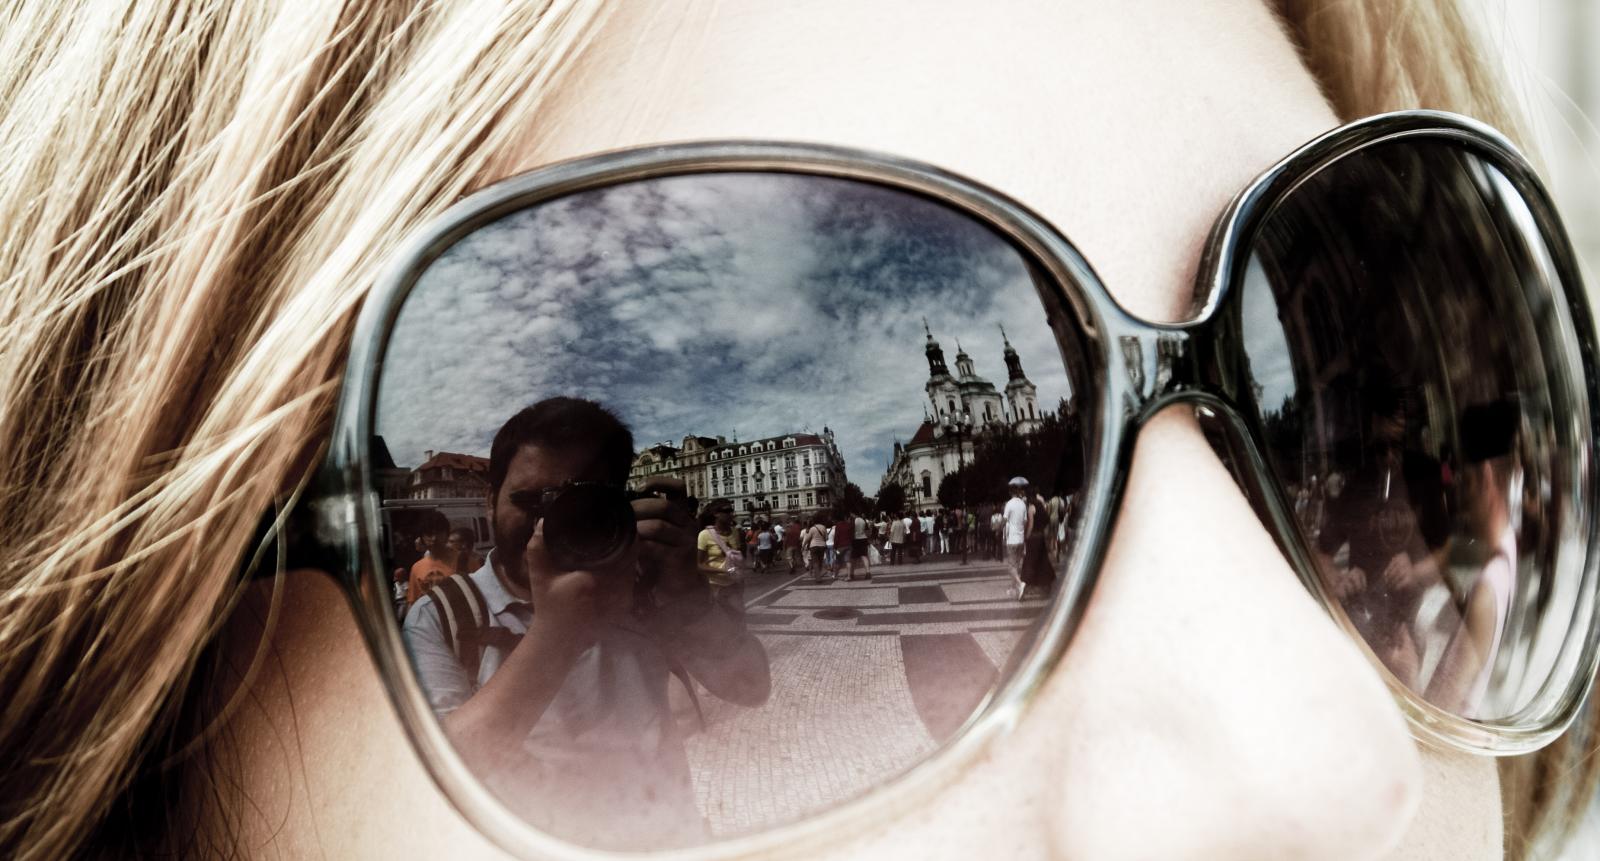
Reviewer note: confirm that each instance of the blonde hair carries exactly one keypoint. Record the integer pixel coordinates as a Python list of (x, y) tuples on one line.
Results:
[(194, 198)]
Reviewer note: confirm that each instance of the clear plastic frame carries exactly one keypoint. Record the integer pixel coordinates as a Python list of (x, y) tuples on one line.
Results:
[(1240, 361)]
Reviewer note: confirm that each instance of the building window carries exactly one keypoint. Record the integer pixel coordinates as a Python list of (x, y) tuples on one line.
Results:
[(809, 499), (927, 484), (794, 500)]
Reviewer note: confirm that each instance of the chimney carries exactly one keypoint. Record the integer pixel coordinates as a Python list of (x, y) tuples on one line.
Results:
[(427, 455)]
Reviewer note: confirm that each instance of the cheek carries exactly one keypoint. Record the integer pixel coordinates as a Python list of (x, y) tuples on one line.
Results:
[(512, 529), (314, 763)]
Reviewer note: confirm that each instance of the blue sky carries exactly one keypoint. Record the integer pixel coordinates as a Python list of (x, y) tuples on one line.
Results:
[(732, 304)]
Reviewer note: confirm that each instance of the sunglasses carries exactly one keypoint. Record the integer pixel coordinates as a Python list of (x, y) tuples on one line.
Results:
[(1389, 344)]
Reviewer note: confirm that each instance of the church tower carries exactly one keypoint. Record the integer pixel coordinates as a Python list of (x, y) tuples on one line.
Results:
[(936, 366), (943, 392), (1021, 394)]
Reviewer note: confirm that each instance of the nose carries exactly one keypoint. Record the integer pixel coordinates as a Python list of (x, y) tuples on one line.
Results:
[(1208, 707)]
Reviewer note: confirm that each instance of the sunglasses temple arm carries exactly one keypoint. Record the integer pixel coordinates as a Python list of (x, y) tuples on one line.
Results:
[(306, 530)]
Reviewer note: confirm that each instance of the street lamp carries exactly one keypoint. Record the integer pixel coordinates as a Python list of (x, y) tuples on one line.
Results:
[(958, 426)]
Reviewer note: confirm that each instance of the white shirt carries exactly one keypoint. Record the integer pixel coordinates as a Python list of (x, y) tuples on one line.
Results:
[(610, 718), (1016, 515), (1499, 574)]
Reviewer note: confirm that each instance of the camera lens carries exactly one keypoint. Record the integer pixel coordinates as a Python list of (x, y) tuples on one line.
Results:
[(588, 526)]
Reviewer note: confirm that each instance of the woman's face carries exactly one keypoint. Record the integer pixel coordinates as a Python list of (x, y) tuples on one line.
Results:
[(1207, 706)]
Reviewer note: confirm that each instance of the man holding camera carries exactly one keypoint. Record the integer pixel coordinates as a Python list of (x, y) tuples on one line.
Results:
[(594, 603)]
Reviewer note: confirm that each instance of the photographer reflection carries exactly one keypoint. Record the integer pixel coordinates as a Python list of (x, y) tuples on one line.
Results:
[(1490, 480), (550, 665), (1392, 521)]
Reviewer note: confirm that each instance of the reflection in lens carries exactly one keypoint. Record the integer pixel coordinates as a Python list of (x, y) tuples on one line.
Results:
[(1409, 369), (825, 562)]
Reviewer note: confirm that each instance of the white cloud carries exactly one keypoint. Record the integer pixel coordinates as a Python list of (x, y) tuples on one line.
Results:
[(705, 304)]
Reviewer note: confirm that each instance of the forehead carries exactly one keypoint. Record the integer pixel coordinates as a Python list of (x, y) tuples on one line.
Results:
[(539, 466), (1128, 128)]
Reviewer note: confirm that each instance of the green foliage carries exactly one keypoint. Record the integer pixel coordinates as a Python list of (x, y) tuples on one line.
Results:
[(853, 501), (891, 498), (1051, 458)]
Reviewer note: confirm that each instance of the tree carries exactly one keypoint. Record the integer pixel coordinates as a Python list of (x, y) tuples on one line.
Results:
[(853, 501), (952, 490), (1051, 458), (892, 498)]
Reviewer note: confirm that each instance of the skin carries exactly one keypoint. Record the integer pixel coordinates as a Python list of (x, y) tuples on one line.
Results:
[(1207, 708)]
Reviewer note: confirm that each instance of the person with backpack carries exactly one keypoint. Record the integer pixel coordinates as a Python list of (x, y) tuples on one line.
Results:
[(557, 655)]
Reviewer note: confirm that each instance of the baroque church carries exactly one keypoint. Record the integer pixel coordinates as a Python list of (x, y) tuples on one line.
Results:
[(962, 398)]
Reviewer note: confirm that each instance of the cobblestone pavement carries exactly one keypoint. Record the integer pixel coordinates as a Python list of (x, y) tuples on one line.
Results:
[(867, 678)]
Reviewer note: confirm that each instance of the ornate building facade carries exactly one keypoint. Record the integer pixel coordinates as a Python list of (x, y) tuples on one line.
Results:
[(796, 474), (961, 407)]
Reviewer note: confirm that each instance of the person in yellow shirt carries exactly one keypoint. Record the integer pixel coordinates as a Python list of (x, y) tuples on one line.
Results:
[(717, 548)]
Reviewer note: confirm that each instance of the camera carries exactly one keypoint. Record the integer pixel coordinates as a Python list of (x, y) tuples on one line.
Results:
[(589, 524)]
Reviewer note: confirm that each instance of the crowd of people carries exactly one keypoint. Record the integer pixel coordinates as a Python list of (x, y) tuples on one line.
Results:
[(1028, 532)]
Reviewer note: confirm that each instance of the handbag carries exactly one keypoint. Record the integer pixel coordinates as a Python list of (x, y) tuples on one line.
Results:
[(733, 562)]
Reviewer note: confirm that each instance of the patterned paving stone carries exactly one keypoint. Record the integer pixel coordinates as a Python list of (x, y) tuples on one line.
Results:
[(841, 596), (841, 720), (993, 589), (854, 700)]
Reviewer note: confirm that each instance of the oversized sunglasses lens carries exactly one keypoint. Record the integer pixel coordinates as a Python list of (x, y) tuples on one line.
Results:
[(1418, 385), (763, 344)]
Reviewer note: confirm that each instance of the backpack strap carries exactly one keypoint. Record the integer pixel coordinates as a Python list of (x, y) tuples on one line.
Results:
[(464, 614)]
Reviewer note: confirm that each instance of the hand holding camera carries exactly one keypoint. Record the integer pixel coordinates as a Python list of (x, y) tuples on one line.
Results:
[(572, 601), (664, 516)]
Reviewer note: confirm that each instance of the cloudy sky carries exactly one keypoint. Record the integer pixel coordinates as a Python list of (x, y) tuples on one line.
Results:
[(745, 305)]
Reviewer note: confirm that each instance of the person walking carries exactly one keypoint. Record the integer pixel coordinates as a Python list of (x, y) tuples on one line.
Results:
[(792, 536), (1056, 508), (1016, 517), (1038, 571), (817, 547), (766, 544), (897, 538), (997, 523), (914, 536), (844, 539)]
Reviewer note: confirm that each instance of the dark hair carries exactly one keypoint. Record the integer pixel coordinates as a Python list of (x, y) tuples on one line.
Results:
[(708, 512), (1488, 430), (466, 535), (560, 422), (430, 522)]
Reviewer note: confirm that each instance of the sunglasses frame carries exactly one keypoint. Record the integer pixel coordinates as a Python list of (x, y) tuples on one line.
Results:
[(1140, 368)]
